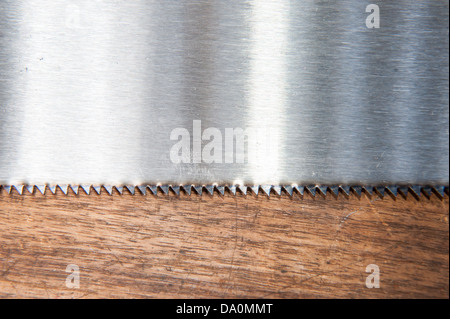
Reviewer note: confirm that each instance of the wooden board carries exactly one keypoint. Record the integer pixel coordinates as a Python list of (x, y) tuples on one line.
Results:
[(222, 246)]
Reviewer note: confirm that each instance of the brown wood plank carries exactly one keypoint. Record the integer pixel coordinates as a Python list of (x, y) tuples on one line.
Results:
[(222, 246)]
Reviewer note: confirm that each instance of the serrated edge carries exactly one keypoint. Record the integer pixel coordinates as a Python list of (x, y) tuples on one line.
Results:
[(395, 191)]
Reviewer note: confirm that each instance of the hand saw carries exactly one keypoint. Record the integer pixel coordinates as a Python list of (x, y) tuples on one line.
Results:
[(261, 95)]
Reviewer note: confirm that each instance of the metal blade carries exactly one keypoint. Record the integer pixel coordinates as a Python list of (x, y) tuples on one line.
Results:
[(263, 93)]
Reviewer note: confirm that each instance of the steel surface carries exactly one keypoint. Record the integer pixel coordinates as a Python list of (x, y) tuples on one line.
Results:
[(91, 91)]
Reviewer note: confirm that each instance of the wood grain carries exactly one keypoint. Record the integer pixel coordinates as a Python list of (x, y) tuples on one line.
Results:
[(222, 246)]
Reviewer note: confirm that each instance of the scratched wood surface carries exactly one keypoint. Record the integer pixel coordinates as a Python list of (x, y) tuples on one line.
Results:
[(222, 246)]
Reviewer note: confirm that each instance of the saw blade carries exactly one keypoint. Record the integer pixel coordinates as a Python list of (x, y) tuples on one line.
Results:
[(256, 190), (228, 93)]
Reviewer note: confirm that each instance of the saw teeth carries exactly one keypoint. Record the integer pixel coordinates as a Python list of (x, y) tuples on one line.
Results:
[(30, 189), (64, 188), (109, 189), (393, 189), (404, 190), (368, 190), (153, 189), (346, 190), (75, 188), (300, 189), (19, 188), (415, 190), (131, 189), (119, 189), (243, 189), (323, 189), (164, 189), (221, 190), (175, 189), (209, 189), (277, 190), (142, 189), (97, 189), (312, 190), (41, 188), (266, 189), (198, 189), (440, 191), (255, 189), (52, 189), (335, 190), (232, 189), (289, 190), (427, 190), (357, 190), (381, 190), (86, 189), (187, 189)]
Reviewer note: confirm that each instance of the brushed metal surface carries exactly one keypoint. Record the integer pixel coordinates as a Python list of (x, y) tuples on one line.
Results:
[(90, 91)]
